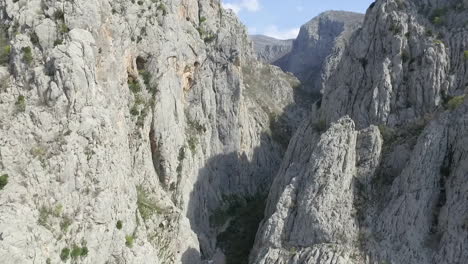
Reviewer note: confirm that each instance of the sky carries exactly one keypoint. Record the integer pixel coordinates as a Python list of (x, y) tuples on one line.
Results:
[(282, 18)]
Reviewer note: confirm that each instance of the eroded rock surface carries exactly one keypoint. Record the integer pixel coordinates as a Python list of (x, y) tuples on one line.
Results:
[(124, 125), (392, 194)]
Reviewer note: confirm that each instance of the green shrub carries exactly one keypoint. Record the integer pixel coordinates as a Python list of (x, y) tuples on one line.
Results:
[(119, 225), (202, 19), (396, 29), (20, 103), (133, 85), (58, 42), (465, 54), (59, 15), (65, 223), (63, 28), (27, 55), (162, 8), (134, 110), (455, 102), (44, 214), (146, 206), (84, 251), (437, 16), (437, 21), (3, 181), (192, 143), (34, 38), (244, 215), (5, 48), (76, 252), (5, 54), (129, 239), (210, 38), (65, 254)]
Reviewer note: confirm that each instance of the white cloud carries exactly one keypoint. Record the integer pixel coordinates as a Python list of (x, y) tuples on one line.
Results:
[(274, 32), (249, 5)]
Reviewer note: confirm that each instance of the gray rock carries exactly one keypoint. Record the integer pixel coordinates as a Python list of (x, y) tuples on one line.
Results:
[(316, 51), (132, 112), (270, 50)]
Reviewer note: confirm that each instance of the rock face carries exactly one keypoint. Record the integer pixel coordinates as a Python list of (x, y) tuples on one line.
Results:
[(347, 192), (270, 50), (317, 49), (404, 63), (125, 125), (147, 132)]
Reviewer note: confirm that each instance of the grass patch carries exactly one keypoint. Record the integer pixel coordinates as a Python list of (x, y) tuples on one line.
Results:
[(27, 55), (192, 143), (3, 181), (65, 223), (455, 102), (129, 240), (146, 206), (133, 85), (20, 103)]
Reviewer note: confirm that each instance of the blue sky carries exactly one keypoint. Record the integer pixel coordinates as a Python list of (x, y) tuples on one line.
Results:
[(283, 18)]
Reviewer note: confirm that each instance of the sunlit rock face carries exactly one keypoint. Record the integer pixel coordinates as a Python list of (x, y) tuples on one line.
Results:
[(148, 132), (125, 125)]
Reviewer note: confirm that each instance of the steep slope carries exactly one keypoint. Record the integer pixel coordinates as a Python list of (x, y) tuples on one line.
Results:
[(269, 49), (319, 46), (125, 126), (348, 192)]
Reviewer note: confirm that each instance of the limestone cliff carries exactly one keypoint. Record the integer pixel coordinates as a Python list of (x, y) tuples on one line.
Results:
[(147, 132), (351, 192), (270, 50), (124, 127), (317, 49)]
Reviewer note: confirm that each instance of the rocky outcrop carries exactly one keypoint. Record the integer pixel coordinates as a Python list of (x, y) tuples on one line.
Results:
[(319, 47), (405, 62), (124, 127), (270, 50), (305, 220), (348, 192)]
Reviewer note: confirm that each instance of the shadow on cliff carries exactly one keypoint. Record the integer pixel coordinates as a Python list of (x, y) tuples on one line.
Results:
[(228, 200)]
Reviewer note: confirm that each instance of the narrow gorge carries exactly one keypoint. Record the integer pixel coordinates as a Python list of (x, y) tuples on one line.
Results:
[(159, 131)]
